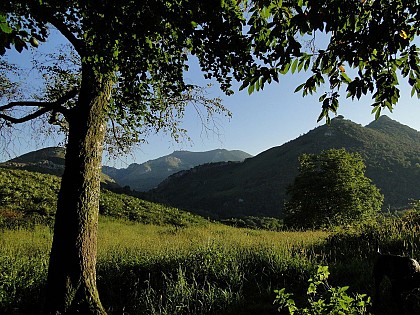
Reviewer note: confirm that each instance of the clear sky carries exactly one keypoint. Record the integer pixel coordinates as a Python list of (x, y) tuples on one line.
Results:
[(260, 121)]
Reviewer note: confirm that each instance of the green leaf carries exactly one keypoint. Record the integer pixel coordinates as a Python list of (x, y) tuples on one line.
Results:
[(322, 97), (300, 87), (251, 89), (301, 63), (345, 77), (265, 12), (286, 68), (294, 65), (4, 26)]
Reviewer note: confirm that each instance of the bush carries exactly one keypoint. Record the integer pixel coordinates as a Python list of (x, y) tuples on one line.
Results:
[(324, 299)]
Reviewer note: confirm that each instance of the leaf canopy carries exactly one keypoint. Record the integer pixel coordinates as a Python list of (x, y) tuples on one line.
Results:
[(331, 189), (145, 46), (359, 46)]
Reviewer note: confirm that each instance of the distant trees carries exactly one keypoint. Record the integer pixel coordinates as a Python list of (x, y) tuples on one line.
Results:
[(331, 189)]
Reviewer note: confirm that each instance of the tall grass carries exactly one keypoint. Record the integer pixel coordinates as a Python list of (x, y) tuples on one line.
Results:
[(23, 269), (145, 269), (205, 269)]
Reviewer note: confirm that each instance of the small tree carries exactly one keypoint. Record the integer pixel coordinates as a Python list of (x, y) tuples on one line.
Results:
[(331, 189)]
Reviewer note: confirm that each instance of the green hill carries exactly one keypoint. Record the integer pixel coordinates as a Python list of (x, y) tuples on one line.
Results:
[(257, 186), (145, 176), (54, 155), (30, 197), (49, 161)]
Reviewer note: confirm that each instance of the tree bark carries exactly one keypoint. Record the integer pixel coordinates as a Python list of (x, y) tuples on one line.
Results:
[(71, 283)]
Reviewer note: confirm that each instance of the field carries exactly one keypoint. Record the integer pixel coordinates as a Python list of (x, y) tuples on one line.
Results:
[(171, 262), (146, 269)]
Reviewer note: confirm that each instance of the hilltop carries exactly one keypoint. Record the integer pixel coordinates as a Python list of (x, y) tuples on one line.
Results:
[(258, 185), (48, 161)]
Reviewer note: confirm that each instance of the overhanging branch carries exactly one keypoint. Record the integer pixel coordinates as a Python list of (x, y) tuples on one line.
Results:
[(56, 105), (49, 15), (26, 118), (62, 28), (44, 108)]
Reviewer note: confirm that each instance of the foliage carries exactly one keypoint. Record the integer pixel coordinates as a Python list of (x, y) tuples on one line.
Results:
[(137, 210), (8, 88), (251, 222), (367, 44), (331, 189), (146, 63), (28, 198), (324, 299)]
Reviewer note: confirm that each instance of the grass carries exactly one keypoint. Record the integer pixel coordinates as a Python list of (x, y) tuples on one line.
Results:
[(206, 269), (159, 260), (147, 269)]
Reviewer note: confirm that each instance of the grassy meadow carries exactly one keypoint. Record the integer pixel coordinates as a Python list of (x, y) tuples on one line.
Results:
[(159, 260), (148, 269)]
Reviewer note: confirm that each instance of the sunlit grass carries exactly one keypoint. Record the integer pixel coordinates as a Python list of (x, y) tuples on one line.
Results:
[(160, 269), (127, 236), (201, 269)]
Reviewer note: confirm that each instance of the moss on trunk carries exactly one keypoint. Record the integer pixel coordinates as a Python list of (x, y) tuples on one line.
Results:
[(71, 284)]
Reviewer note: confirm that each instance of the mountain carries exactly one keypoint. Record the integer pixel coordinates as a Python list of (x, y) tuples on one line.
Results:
[(258, 185), (148, 175), (48, 161)]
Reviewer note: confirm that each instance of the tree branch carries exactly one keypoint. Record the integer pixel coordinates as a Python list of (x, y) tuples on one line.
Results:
[(44, 108), (63, 29), (26, 118), (56, 105)]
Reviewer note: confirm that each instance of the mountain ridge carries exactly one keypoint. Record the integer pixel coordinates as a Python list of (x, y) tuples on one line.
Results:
[(50, 161), (145, 176), (258, 185), (140, 177)]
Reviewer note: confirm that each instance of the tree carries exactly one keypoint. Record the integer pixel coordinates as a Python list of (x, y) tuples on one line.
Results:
[(358, 45), (132, 60), (331, 189)]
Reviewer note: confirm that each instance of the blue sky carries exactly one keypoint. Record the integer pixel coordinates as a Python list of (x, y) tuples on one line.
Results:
[(260, 121)]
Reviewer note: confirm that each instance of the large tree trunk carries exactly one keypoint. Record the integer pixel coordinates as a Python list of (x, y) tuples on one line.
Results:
[(71, 284)]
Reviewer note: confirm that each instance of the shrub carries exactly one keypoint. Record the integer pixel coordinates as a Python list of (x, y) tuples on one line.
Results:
[(324, 299)]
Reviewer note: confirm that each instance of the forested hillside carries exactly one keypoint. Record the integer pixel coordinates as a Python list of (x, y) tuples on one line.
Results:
[(257, 186)]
